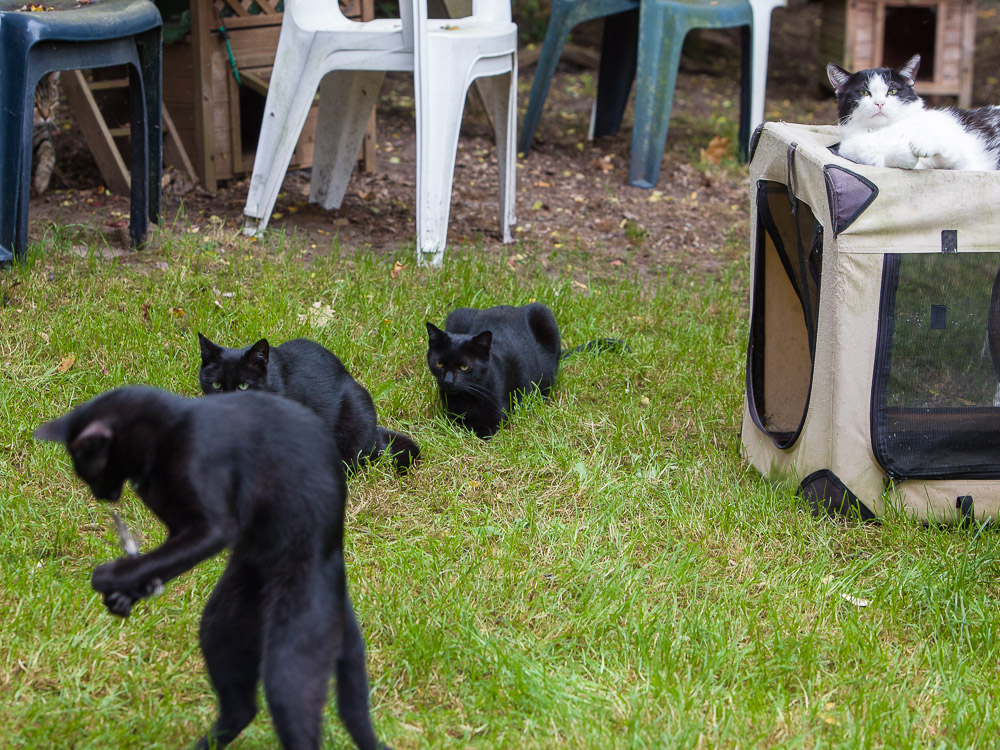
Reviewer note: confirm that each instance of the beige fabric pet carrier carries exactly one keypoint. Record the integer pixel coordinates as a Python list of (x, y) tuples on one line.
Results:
[(872, 374)]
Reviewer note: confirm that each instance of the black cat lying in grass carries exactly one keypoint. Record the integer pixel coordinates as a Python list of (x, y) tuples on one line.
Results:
[(311, 374), (486, 360), (281, 611)]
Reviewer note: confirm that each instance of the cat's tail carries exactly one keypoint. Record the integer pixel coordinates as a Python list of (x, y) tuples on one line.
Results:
[(597, 345), (401, 448)]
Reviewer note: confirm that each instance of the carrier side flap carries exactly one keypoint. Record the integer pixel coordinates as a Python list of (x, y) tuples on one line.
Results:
[(849, 194)]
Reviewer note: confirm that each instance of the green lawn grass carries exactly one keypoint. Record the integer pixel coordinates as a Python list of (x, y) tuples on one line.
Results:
[(606, 572)]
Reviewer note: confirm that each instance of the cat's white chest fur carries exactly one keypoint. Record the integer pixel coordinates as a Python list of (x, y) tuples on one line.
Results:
[(886, 132), (925, 139)]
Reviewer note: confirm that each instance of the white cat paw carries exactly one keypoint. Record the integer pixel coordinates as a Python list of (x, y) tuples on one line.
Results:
[(901, 158), (926, 149)]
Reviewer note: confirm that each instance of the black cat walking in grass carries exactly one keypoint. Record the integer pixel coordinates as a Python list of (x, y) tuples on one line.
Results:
[(259, 475), (311, 374), (485, 361)]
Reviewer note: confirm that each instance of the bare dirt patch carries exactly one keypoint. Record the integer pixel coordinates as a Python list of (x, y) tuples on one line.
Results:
[(574, 203)]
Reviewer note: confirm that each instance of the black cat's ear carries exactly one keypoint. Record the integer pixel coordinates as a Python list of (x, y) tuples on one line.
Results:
[(909, 70), (435, 334), (209, 350), (259, 354), (480, 344), (94, 434), (838, 77), (56, 431)]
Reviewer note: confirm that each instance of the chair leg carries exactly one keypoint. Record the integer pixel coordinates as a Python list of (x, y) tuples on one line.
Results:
[(556, 35), (15, 162), (346, 101), (151, 69), (139, 145), (749, 96), (440, 101), (504, 99), (619, 45), (661, 37), (289, 98), (761, 43)]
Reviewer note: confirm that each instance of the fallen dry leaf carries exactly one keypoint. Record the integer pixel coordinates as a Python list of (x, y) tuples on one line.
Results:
[(318, 314), (66, 363), (605, 164), (716, 150), (396, 270)]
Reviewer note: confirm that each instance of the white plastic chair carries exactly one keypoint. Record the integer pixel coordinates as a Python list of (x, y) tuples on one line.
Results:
[(319, 48), (762, 10)]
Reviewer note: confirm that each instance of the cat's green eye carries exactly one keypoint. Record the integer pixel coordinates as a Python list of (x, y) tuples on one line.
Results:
[(242, 386), (866, 92), (216, 386), (893, 91), (463, 368), (439, 365)]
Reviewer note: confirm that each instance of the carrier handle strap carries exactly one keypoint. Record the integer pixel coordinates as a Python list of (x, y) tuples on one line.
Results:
[(790, 176), (967, 508)]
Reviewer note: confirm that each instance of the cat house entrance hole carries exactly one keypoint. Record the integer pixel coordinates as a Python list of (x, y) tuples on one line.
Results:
[(908, 30), (860, 34)]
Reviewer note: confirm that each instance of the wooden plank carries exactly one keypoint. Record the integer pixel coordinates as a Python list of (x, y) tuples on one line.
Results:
[(247, 22), (968, 47), (201, 21), (95, 132), (235, 129), (110, 83), (174, 152), (254, 82)]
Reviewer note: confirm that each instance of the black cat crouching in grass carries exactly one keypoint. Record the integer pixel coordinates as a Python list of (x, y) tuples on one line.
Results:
[(484, 361), (311, 374), (280, 612)]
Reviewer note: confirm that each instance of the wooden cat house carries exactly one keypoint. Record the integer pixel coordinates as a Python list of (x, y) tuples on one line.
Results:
[(860, 34), (873, 364)]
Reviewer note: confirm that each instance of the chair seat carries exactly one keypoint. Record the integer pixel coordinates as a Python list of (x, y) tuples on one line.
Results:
[(71, 36), (386, 35), (720, 14), (72, 22)]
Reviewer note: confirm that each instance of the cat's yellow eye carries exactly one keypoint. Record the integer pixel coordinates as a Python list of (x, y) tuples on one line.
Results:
[(216, 386), (242, 386), (463, 368), (439, 365)]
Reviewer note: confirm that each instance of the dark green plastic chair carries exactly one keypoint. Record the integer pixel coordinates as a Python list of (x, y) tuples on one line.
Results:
[(618, 56), (71, 36), (663, 24), (642, 42)]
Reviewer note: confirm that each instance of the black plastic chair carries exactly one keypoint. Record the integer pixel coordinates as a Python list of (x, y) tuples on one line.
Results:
[(69, 35)]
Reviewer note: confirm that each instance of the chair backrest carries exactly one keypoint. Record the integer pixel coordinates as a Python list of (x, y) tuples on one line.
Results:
[(327, 14)]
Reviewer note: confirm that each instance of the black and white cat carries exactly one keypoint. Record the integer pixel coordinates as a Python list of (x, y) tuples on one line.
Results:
[(884, 123), (259, 475), (311, 374)]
